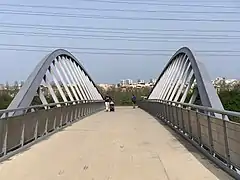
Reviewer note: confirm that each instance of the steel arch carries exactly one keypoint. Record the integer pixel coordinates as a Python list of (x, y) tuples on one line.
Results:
[(26, 94), (206, 90)]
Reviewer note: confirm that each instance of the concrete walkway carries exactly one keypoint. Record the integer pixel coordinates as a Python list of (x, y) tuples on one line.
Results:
[(128, 144)]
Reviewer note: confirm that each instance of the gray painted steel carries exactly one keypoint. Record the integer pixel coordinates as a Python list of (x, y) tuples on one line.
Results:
[(206, 90), (29, 89), (20, 132), (216, 138)]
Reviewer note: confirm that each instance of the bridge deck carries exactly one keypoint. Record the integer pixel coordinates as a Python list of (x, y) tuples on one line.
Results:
[(126, 145)]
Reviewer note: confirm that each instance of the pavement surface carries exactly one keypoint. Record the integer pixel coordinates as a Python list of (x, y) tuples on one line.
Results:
[(128, 144)]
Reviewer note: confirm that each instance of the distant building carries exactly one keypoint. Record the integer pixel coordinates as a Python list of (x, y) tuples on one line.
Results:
[(129, 81), (140, 81), (105, 86), (151, 80), (123, 82)]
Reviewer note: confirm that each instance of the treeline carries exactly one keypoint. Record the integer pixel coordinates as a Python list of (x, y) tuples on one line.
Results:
[(230, 99), (7, 96), (122, 97), (5, 100)]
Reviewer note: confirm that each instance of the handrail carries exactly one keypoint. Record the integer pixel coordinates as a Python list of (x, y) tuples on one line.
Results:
[(208, 109), (32, 128), (46, 105), (215, 137)]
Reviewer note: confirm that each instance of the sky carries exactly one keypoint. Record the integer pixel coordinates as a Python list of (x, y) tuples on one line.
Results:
[(111, 68)]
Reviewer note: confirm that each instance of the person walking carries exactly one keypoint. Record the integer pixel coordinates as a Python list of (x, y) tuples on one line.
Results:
[(134, 100), (107, 102)]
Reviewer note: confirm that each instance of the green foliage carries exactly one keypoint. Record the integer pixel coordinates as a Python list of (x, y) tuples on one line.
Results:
[(5, 100), (36, 101), (230, 99), (122, 97)]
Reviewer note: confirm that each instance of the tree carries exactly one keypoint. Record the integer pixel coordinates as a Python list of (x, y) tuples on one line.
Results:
[(122, 97), (7, 85), (15, 85), (230, 99), (5, 100)]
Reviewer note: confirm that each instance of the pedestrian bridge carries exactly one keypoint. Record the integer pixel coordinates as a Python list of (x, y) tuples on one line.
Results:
[(127, 144), (55, 127)]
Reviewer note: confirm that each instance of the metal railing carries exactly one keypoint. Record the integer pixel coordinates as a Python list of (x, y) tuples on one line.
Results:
[(37, 122), (217, 138)]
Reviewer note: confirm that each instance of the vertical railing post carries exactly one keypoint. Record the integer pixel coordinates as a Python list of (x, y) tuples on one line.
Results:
[(80, 110), (177, 118), (198, 128), (94, 108), (210, 138), (54, 123), (61, 115), (90, 107), (72, 112), (226, 140), (164, 110), (4, 150), (183, 124), (22, 135), (169, 113), (156, 109), (23, 130), (46, 126), (46, 122), (36, 129), (83, 109), (189, 123), (161, 109), (77, 111), (172, 114), (87, 108)]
